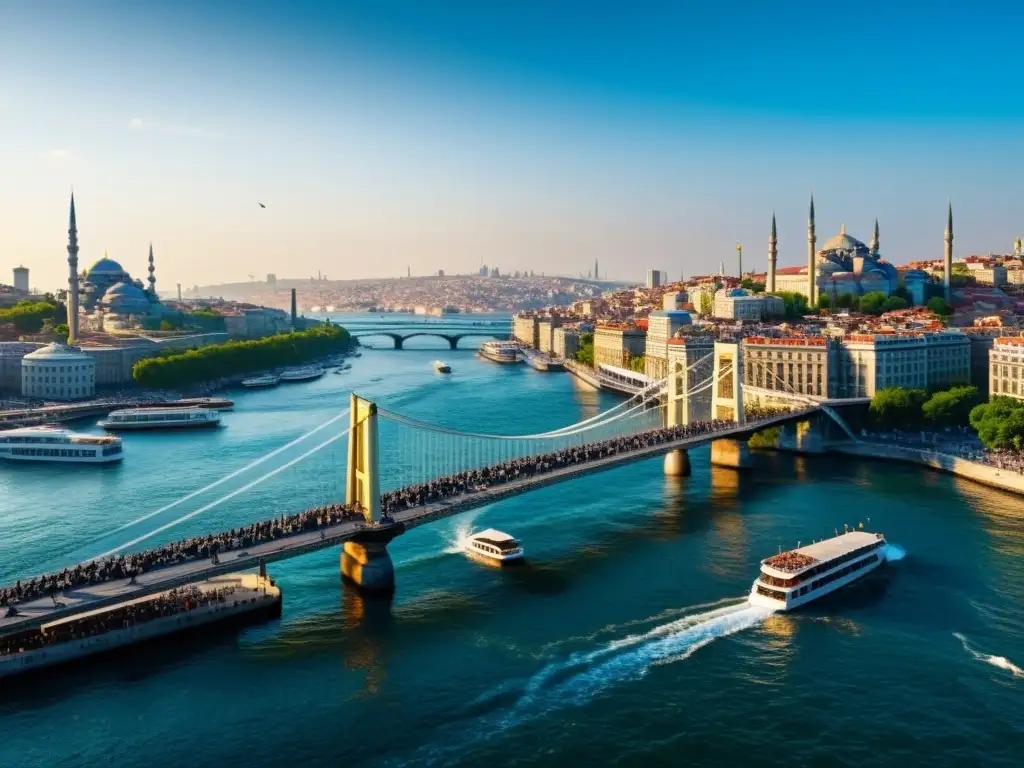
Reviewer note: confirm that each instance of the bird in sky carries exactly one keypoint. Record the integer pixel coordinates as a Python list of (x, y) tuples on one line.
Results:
[(261, 205)]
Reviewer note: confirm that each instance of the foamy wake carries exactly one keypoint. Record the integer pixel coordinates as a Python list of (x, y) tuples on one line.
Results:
[(996, 661), (894, 552), (461, 533), (577, 679)]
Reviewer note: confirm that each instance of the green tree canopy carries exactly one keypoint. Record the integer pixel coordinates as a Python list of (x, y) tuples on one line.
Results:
[(897, 408), (1000, 423), (29, 316), (952, 407), (234, 357), (847, 301), (824, 301), (636, 364), (939, 306), (893, 303), (795, 304), (872, 303)]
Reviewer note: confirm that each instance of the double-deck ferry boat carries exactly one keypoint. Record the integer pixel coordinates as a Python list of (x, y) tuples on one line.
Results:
[(216, 403), (495, 546), (160, 418), (307, 373), (261, 382), (791, 579), (55, 444), (442, 367), (500, 351)]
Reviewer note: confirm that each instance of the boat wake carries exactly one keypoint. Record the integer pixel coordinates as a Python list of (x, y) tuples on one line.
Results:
[(894, 552), (996, 661), (460, 535), (578, 679)]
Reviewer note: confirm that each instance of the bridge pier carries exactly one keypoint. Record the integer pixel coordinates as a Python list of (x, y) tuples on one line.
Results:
[(802, 437), (398, 342), (453, 343), (677, 463), (368, 565), (730, 453)]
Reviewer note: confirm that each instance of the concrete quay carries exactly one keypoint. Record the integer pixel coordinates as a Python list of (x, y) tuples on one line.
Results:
[(994, 477)]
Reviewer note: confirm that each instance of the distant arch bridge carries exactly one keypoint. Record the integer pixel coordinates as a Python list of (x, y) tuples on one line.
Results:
[(452, 335)]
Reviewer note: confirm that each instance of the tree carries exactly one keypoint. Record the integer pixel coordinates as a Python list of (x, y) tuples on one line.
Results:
[(897, 408), (707, 306), (846, 301), (752, 286), (872, 303), (894, 303), (1000, 423), (29, 316), (167, 325), (952, 407), (824, 301), (939, 306), (636, 364), (795, 304), (62, 329)]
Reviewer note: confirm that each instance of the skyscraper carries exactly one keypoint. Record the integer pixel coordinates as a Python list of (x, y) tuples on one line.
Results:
[(653, 278), (595, 270)]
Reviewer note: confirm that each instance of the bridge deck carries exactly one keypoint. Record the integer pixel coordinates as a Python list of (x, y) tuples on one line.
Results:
[(99, 595)]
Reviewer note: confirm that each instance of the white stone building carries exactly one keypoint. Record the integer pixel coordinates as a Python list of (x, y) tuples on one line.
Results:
[(58, 372)]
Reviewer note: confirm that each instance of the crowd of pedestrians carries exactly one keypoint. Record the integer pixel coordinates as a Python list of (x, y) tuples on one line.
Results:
[(130, 566), (961, 442), (167, 604)]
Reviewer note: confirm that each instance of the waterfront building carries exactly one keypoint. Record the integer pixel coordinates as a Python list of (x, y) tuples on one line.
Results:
[(797, 365), (1006, 368), (525, 331), (545, 333), (21, 279), (868, 362), (58, 372), (982, 340), (740, 304), (616, 345), (11, 354), (661, 326), (565, 343)]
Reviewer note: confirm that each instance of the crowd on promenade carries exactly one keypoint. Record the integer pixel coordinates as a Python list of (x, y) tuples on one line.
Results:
[(167, 604), (961, 442), (131, 565)]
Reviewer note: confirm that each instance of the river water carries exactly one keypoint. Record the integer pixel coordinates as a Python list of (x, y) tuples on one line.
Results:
[(625, 640)]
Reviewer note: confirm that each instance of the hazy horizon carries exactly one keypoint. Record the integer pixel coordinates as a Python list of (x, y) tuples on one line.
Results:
[(442, 135)]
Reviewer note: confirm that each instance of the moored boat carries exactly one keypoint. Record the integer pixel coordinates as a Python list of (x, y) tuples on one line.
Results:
[(58, 445), (160, 418), (791, 579), (307, 373), (500, 352), (261, 382), (494, 546), (216, 403)]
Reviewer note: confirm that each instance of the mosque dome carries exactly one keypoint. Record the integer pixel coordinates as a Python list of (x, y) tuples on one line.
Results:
[(126, 299), (105, 266), (843, 242)]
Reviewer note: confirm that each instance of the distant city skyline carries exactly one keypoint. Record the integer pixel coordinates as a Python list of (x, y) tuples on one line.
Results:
[(529, 138)]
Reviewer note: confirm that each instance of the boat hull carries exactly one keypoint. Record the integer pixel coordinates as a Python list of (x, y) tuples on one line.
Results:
[(756, 598), (154, 425), (67, 459)]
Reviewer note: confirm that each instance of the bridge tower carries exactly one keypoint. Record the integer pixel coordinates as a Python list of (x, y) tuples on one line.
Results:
[(689, 363), (727, 404), (365, 560)]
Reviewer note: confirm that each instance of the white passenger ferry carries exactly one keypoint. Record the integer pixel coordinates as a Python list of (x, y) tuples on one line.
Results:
[(55, 444), (495, 546), (160, 418), (791, 579), (500, 351)]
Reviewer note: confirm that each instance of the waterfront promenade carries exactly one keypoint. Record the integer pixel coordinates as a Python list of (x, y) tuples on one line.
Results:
[(91, 596)]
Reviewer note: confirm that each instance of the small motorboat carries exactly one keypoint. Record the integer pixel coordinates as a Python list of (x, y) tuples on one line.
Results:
[(442, 367), (494, 546)]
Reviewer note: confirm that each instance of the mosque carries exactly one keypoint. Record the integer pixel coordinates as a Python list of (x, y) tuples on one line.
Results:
[(843, 265)]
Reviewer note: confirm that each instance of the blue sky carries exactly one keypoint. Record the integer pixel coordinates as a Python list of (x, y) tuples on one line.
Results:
[(531, 135)]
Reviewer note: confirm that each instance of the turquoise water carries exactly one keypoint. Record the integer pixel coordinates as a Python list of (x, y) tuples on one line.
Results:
[(623, 641)]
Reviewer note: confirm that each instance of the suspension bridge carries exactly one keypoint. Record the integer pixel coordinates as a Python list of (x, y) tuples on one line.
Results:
[(434, 472)]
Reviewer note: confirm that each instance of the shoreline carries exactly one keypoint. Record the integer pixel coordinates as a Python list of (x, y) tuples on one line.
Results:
[(993, 477)]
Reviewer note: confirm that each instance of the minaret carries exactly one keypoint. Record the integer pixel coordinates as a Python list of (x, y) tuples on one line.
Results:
[(948, 261), (739, 252), (874, 241), (152, 273), (1017, 248), (72, 276), (295, 308), (773, 252), (812, 277)]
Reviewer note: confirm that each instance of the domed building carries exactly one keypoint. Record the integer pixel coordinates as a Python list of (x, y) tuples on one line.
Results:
[(110, 294), (846, 265), (58, 372), (99, 278), (126, 299)]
